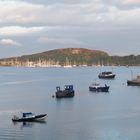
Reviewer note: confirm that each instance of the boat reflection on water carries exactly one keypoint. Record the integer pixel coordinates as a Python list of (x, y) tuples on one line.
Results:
[(29, 124)]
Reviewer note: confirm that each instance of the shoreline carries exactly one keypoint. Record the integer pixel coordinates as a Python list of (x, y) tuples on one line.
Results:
[(67, 67)]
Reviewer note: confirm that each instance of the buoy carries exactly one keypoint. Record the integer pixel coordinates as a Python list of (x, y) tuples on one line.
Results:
[(53, 96)]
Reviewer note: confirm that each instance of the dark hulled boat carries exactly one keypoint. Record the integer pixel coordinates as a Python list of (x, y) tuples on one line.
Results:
[(66, 93), (134, 82), (97, 88), (29, 117), (106, 75)]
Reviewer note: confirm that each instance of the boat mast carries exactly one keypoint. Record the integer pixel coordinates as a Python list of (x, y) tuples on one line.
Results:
[(131, 74)]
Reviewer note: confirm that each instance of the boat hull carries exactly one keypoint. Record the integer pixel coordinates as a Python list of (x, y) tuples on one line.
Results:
[(107, 76), (64, 94), (99, 89), (133, 83)]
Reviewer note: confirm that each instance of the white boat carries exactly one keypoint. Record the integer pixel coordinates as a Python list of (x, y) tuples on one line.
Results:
[(28, 116)]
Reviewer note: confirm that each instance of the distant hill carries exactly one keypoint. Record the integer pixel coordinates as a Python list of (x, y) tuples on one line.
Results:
[(70, 57)]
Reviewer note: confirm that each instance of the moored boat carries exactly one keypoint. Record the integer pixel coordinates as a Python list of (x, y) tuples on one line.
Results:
[(67, 92), (106, 75), (134, 82), (28, 116), (97, 88)]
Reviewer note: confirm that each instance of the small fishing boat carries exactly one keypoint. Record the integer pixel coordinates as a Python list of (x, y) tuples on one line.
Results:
[(106, 75), (134, 82), (97, 88), (29, 116), (67, 92)]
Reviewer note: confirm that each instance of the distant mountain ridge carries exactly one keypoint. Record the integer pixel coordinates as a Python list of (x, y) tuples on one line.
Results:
[(71, 57)]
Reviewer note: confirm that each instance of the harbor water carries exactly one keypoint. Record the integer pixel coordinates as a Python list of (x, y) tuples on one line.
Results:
[(88, 116)]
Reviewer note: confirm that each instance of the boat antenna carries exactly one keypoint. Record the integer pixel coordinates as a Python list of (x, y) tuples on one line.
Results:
[(131, 74)]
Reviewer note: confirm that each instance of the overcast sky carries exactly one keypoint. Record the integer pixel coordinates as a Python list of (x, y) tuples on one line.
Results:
[(31, 26)]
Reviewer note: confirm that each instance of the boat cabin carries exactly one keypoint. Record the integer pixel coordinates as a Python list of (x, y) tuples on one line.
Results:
[(66, 87), (69, 87), (27, 114), (106, 72)]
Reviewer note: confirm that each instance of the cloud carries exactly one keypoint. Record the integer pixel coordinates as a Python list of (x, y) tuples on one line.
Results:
[(9, 42), (46, 40), (17, 30), (131, 1), (12, 11), (89, 13)]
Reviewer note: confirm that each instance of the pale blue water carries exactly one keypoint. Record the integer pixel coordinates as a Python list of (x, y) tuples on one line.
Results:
[(87, 116)]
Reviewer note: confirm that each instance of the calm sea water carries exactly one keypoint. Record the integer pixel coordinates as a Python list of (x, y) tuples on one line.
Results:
[(87, 116)]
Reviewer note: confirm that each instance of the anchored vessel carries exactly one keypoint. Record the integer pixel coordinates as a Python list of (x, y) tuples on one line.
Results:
[(97, 88), (134, 82), (29, 116), (67, 92), (106, 75)]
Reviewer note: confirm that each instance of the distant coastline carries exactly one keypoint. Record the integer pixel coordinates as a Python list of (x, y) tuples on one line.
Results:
[(71, 57)]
